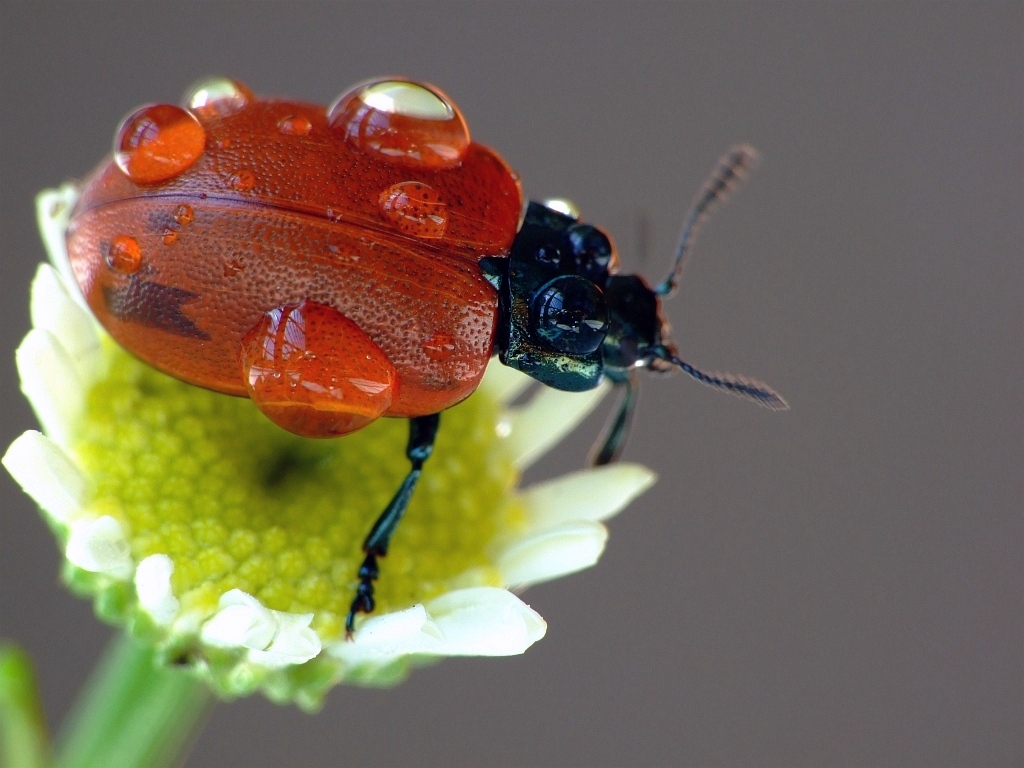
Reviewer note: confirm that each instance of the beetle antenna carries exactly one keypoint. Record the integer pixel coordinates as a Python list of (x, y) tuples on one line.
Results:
[(752, 389), (733, 167)]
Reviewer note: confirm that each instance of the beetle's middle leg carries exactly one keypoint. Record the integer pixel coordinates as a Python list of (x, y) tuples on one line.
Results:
[(422, 433)]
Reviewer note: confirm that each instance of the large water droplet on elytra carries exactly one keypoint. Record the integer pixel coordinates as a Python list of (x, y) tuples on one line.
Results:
[(405, 122), (314, 372), (158, 142), (415, 209), (124, 255), (217, 96)]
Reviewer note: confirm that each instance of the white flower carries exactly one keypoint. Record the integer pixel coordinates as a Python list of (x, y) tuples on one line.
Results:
[(236, 638)]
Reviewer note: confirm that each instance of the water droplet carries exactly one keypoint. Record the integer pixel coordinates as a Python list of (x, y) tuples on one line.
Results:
[(158, 142), (294, 125), (243, 180), (170, 236), (124, 255), (402, 121), (440, 346), (184, 214), (217, 96), (233, 267), (563, 206), (314, 372), (415, 209)]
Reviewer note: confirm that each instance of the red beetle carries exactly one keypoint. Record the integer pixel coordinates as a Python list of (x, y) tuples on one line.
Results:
[(365, 260)]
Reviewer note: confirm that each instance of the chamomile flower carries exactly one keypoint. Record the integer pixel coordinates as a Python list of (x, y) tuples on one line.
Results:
[(231, 547)]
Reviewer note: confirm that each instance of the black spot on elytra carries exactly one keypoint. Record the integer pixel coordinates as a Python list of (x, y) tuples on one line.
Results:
[(153, 305)]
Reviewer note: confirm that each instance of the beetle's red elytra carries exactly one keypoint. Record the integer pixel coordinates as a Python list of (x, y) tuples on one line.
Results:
[(338, 264), (377, 209)]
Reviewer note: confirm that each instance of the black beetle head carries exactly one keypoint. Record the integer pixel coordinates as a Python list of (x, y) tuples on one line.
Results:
[(565, 316)]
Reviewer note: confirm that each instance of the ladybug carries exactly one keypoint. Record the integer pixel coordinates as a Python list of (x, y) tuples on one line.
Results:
[(364, 260)]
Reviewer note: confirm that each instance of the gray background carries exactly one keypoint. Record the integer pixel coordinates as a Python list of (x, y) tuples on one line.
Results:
[(840, 585)]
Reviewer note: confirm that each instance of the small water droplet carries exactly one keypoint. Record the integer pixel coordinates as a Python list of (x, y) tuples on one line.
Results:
[(415, 209), (294, 125), (439, 346), (403, 122), (243, 180), (170, 236), (217, 96), (158, 142), (124, 255), (233, 267), (184, 214)]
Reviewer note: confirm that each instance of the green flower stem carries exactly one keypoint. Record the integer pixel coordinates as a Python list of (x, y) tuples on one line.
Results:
[(23, 739), (133, 713)]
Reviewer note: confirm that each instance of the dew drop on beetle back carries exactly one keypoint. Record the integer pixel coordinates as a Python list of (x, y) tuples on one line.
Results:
[(404, 122), (157, 143), (294, 125), (184, 214), (217, 96), (124, 255), (415, 209)]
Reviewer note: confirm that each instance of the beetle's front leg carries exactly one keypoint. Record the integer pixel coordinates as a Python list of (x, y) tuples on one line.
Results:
[(422, 433)]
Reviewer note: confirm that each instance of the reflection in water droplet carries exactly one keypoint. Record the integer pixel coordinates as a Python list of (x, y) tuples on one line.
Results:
[(170, 236), (184, 214), (158, 142), (440, 346), (314, 372), (294, 125), (124, 255), (415, 209), (403, 122), (242, 180), (217, 96)]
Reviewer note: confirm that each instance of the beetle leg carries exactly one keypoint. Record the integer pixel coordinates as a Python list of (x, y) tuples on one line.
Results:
[(422, 433), (609, 446)]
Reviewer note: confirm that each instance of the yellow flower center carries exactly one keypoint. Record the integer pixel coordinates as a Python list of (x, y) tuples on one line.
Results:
[(237, 502)]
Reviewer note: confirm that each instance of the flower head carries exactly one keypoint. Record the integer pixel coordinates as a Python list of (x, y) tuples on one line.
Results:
[(231, 546)]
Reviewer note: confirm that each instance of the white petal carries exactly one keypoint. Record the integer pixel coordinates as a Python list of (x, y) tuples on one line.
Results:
[(591, 494), (294, 643), (548, 417), (242, 621), (53, 212), (554, 552), (153, 586), (53, 310), (485, 621), (502, 383), (47, 474), (50, 382), (387, 636), (100, 546)]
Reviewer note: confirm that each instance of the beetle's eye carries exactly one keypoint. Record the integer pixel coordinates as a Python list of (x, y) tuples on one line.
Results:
[(592, 250), (570, 314)]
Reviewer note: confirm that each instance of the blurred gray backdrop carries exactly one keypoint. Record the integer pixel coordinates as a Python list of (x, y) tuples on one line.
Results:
[(840, 585)]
